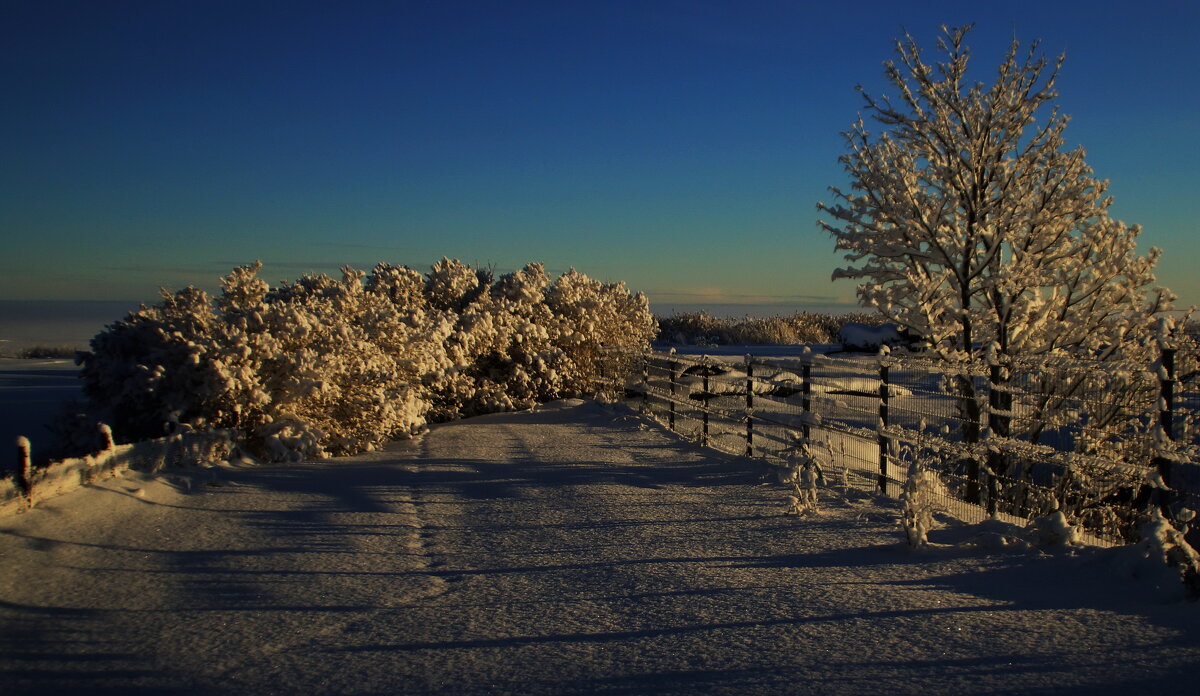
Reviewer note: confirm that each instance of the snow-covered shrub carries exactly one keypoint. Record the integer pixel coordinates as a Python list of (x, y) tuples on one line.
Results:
[(1163, 543), (594, 318), (343, 368), (530, 339), (923, 491), (322, 366), (500, 350), (153, 368), (453, 285), (803, 473), (311, 368), (1052, 531)]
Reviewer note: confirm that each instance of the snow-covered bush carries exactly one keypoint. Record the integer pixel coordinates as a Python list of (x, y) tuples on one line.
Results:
[(595, 318), (1163, 543), (322, 366), (501, 350), (922, 493), (804, 473), (155, 368), (1052, 531)]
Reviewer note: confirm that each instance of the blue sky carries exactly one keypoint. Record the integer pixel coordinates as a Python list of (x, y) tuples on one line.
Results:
[(678, 146)]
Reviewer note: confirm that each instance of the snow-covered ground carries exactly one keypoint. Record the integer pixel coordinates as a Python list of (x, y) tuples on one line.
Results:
[(568, 550)]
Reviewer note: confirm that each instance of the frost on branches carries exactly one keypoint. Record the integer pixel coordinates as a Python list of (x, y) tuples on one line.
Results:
[(322, 366), (969, 222), (973, 225)]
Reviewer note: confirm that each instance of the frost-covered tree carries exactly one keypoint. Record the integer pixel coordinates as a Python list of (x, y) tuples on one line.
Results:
[(975, 225)]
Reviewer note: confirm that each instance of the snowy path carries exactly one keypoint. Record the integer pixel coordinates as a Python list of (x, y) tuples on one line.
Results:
[(563, 551)]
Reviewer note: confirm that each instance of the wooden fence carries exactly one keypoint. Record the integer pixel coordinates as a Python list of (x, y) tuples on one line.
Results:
[(1014, 441), (30, 485)]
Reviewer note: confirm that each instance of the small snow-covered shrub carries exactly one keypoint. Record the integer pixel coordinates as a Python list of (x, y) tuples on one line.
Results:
[(922, 491), (1052, 531), (321, 366), (154, 368), (1163, 543), (804, 473)]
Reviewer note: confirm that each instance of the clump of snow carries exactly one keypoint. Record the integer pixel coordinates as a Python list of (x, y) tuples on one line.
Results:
[(1052, 531)]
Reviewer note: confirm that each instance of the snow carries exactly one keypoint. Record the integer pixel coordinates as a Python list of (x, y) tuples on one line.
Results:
[(571, 549)]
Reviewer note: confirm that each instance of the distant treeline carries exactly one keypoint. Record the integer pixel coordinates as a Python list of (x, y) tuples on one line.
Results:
[(703, 329)]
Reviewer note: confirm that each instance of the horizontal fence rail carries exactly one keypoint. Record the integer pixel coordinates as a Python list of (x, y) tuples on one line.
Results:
[(31, 485), (1015, 441)]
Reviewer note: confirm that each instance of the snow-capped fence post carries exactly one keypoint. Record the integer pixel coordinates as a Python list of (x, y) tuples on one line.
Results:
[(806, 397), (704, 413), (645, 381), (25, 468), (1166, 383), (1166, 418), (969, 412), (999, 427), (749, 406), (883, 422), (673, 367)]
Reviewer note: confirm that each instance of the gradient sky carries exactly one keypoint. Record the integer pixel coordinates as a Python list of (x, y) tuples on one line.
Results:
[(678, 146)]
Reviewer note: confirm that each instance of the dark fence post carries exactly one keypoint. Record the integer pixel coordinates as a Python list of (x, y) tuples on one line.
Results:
[(704, 411), (749, 406), (883, 421), (999, 421), (673, 366), (645, 380), (1166, 414), (805, 399), (969, 411), (25, 467)]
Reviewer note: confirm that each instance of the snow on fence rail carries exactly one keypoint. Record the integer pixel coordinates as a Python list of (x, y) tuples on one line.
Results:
[(1016, 441), (29, 485)]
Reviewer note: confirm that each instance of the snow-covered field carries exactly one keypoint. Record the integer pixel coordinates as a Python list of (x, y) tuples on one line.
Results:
[(567, 550)]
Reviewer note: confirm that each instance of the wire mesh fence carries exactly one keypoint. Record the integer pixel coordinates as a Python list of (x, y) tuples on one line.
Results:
[(1016, 441)]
